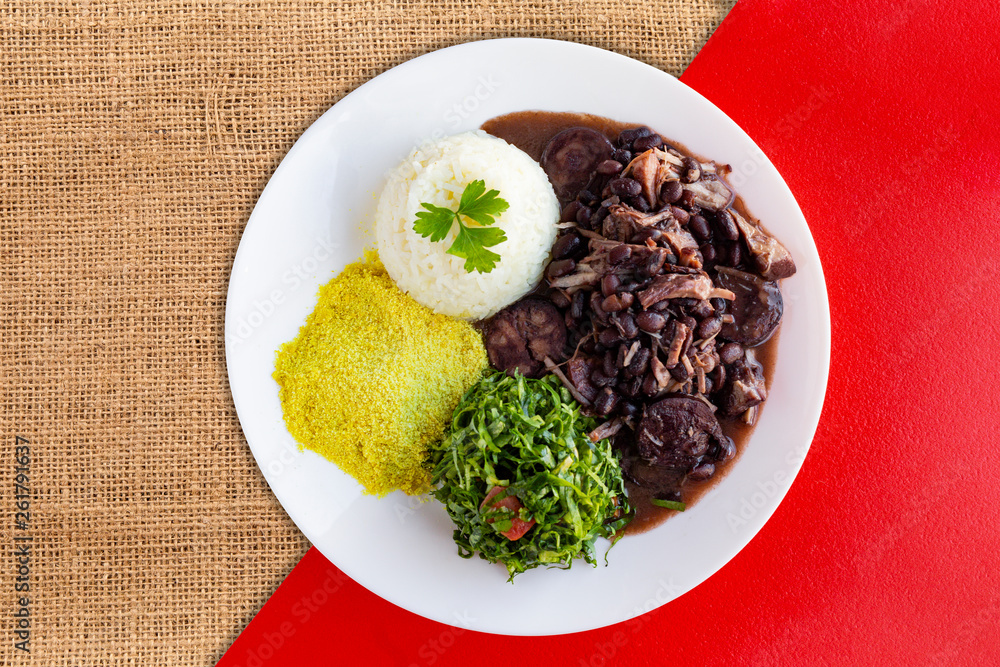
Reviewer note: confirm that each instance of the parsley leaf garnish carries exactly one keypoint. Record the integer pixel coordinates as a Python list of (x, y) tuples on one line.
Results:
[(478, 205)]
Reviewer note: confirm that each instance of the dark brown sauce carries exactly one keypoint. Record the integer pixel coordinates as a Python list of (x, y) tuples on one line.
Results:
[(531, 131), (648, 515)]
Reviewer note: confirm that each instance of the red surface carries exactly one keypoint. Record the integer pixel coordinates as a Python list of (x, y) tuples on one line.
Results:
[(882, 118)]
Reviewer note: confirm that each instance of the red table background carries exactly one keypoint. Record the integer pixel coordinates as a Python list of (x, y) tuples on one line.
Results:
[(882, 117)]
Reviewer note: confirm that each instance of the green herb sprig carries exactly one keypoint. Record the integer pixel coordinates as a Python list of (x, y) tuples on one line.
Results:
[(528, 437), (472, 242), (669, 504)]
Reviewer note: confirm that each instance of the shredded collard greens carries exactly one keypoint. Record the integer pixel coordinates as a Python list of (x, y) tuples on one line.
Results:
[(528, 437)]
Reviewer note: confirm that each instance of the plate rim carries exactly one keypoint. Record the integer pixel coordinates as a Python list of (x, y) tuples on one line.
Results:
[(290, 157)]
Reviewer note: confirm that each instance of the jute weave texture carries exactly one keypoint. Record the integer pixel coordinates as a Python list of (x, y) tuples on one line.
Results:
[(135, 139)]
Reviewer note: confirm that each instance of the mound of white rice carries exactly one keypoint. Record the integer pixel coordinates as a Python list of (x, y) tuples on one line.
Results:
[(437, 173)]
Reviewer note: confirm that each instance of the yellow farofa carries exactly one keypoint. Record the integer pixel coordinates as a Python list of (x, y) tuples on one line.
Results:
[(373, 377)]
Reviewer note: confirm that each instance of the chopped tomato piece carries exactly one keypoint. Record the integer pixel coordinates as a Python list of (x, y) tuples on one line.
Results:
[(518, 526)]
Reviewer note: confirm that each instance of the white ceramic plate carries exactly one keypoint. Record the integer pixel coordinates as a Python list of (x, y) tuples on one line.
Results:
[(313, 218)]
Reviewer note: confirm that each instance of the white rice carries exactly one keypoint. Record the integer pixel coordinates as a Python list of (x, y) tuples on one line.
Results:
[(437, 173)]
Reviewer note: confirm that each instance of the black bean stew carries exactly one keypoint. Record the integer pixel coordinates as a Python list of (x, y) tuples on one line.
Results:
[(659, 301)]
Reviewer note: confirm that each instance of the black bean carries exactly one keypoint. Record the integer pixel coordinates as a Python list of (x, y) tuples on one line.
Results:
[(670, 258), (625, 187), (639, 203), (622, 156), (567, 245), (702, 309), (643, 144), (598, 217), (606, 401), (650, 386), (639, 363), (583, 216), (661, 305), (609, 337), (718, 376), (683, 217), (691, 172), (595, 307), (617, 302), (628, 409), (701, 472), (626, 137), (622, 353), (609, 363), (569, 211), (679, 373), (619, 254), (632, 388), (631, 286), (648, 233), (719, 304), (601, 379), (727, 451), (650, 321), (671, 191), (576, 309), (559, 300), (627, 325), (610, 284), (731, 353), (560, 267), (587, 197), (709, 386), (708, 253), (727, 226), (654, 263), (609, 167), (686, 302), (710, 326), (699, 227), (735, 255)]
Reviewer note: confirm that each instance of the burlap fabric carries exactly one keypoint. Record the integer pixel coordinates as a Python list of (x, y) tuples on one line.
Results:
[(135, 141)]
